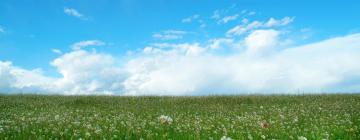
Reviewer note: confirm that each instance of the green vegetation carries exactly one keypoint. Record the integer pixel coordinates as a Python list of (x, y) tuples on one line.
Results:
[(213, 117)]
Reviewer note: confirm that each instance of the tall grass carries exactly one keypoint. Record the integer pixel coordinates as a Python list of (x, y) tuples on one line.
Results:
[(209, 117)]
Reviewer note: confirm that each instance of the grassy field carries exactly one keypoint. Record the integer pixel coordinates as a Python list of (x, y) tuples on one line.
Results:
[(214, 117)]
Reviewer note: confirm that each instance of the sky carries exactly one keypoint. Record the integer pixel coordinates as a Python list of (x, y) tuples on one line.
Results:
[(188, 47)]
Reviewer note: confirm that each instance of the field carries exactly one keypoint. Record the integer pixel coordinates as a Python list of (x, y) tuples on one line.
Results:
[(213, 117)]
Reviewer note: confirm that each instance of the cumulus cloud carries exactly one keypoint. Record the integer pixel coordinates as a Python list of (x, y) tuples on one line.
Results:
[(87, 43), (261, 40), (17, 80), (170, 35), (193, 69), (324, 66), (7, 77), (86, 72)]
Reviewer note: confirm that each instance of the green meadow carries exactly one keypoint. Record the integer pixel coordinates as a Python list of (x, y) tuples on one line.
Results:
[(300, 117)]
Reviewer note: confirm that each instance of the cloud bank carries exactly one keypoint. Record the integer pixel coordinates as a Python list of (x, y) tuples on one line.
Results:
[(330, 65)]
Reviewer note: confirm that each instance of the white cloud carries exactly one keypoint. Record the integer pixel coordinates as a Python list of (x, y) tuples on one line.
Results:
[(88, 73), (216, 15), (82, 73), (190, 19), (245, 20), (7, 77), (261, 40), (174, 32), (333, 63), (2, 30), (202, 23), (241, 29), (194, 18), (227, 19), (188, 49), (57, 51), (87, 43), (189, 69), (220, 42), (282, 22), (243, 11), (199, 69), (169, 35), (246, 27), (251, 13), (73, 12), (17, 80), (248, 13)]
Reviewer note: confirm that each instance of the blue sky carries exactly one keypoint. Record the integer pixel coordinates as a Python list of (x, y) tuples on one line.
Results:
[(33, 34)]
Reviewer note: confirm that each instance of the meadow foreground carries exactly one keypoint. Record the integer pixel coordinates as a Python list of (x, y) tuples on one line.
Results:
[(175, 118)]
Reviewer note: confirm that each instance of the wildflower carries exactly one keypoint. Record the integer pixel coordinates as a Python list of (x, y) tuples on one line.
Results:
[(296, 119), (263, 136), (302, 138), (282, 116), (225, 138), (87, 134), (165, 119), (326, 136), (98, 131), (264, 124), (57, 117)]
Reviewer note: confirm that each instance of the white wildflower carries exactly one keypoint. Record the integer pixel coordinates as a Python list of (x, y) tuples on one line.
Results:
[(302, 138), (296, 119), (98, 131), (225, 138), (57, 117), (165, 119), (87, 134)]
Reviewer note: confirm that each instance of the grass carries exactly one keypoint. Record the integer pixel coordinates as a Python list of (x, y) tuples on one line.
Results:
[(211, 117)]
